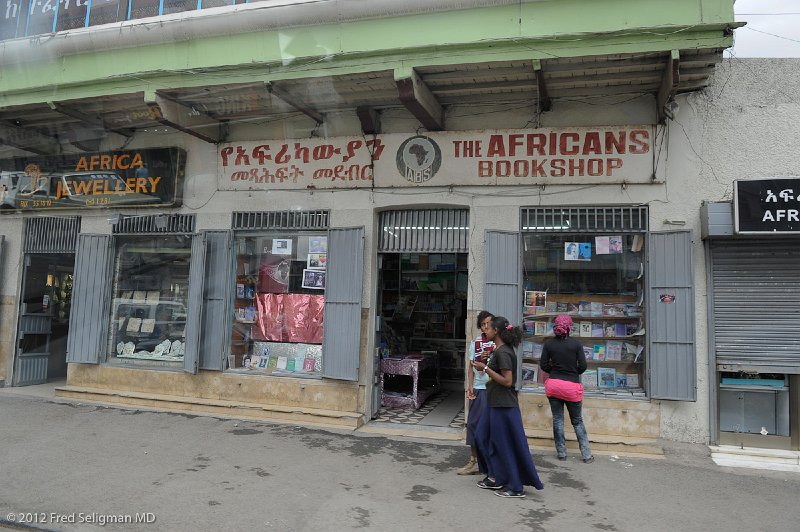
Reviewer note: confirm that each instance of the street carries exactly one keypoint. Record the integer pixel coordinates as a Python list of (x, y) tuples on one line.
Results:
[(80, 462)]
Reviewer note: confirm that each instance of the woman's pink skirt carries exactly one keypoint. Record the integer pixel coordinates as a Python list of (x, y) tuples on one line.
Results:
[(564, 390)]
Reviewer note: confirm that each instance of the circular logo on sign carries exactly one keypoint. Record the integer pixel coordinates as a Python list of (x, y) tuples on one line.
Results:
[(418, 159)]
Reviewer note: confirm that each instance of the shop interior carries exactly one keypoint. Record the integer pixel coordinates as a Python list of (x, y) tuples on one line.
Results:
[(44, 318), (422, 337)]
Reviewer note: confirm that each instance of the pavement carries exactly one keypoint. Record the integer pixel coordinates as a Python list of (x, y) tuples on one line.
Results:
[(68, 465)]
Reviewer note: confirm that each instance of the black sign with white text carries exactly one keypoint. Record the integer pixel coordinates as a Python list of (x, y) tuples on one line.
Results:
[(767, 205)]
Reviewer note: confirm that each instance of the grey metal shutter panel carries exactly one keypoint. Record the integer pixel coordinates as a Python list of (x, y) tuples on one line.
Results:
[(672, 358), (194, 314), (501, 294), (341, 339), (424, 231), (755, 312), (216, 322), (91, 296)]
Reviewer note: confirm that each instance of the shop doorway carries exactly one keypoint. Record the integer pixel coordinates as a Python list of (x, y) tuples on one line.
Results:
[(45, 299), (421, 338), (45, 304)]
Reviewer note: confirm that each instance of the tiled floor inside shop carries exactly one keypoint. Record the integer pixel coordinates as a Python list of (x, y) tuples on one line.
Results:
[(446, 408)]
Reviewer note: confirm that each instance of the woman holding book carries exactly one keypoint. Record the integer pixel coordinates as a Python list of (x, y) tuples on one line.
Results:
[(503, 452), (480, 350), (563, 358)]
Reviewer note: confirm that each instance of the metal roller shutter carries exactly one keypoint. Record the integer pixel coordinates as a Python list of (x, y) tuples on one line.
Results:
[(756, 290)]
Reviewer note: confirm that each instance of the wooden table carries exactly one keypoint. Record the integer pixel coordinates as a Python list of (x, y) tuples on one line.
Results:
[(411, 367)]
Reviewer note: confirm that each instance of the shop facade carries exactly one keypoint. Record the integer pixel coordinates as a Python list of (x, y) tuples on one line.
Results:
[(298, 240)]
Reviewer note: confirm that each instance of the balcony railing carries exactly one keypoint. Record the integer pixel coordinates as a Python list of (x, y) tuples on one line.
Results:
[(23, 18)]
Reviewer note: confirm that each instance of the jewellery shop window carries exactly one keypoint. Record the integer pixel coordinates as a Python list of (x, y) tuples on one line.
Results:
[(598, 279), (151, 286), (279, 304)]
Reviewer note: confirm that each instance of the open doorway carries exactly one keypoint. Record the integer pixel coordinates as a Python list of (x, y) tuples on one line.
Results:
[(420, 361), (44, 318)]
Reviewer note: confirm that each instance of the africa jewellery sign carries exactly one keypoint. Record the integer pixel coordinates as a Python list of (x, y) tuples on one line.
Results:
[(500, 157)]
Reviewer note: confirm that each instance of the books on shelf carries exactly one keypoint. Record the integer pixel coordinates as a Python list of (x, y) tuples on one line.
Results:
[(584, 308), (597, 329), (527, 348), (595, 308), (589, 378), (634, 311), (599, 352), (606, 377), (540, 328), (621, 380), (537, 350), (632, 380), (613, 350), (588, 352), (609, 329), (528, 326), (585, 329), (630, 351), (551, 307), (529, 375), (613, 310), (620, 329)]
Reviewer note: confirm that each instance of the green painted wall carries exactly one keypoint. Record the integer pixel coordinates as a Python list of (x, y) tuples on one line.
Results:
[(535, 30)]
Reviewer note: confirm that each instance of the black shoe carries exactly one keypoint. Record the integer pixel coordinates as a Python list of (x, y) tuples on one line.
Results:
[(588, 460), (488, 484), (510, 494), (562, 458)]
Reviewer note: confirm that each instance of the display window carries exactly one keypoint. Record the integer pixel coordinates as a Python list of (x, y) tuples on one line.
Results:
[(279, 303), (598, 279), (151, 287)]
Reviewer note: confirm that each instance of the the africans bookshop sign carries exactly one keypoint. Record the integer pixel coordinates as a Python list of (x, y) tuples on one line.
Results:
[(509, 157), (769, 205), (126, 178)]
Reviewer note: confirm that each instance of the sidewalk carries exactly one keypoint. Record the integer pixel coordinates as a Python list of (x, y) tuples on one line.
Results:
[(206, 473)]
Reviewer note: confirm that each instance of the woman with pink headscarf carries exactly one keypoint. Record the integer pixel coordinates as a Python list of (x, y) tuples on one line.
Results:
[(563, 358)]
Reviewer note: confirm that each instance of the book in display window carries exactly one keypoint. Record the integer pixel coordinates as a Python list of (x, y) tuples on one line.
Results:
[(279, 302), (598, 280)]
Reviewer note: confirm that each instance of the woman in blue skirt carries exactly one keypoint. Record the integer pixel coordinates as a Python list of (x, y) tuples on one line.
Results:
[(503, 452), (480, 349)]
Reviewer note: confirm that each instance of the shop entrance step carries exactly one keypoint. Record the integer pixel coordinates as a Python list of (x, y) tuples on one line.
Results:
[(603, 444), (215, 407)]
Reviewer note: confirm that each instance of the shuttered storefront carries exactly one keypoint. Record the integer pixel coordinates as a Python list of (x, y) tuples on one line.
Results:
[(756, 317)]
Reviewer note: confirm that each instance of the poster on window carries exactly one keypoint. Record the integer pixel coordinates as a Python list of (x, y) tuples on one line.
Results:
[(317, 261), (314, 279), (318, 244), (282, 246)]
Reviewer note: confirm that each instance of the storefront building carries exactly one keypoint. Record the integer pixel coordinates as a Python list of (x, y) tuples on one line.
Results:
[(322, 223)]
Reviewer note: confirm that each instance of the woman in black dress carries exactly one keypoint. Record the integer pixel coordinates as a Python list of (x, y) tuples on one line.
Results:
[(503, 447)]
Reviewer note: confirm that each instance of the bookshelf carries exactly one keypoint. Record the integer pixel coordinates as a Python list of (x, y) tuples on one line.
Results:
[(603, 294), (423, 300)]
